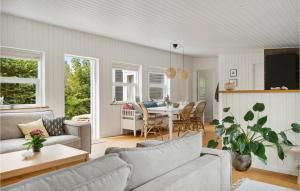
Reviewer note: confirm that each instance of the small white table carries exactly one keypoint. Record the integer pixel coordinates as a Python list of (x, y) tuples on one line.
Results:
[(170, 111)]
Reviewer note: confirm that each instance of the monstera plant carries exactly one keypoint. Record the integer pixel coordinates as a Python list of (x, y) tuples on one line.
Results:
[(253, 138)]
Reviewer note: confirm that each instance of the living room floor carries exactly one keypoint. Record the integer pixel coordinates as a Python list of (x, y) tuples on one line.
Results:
[(254, 174)]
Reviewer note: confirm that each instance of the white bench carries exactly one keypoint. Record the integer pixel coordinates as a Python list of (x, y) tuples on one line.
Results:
[(131, 121)]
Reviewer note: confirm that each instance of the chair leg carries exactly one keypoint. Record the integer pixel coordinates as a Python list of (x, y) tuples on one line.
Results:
[(142, 130), (145, 131), (179, 129), (159, 132)]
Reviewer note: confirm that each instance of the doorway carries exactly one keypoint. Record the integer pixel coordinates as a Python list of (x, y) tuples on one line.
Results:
[(82, 91), (205, 91)]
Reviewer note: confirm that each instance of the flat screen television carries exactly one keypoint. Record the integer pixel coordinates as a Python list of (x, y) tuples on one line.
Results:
[(282, 68)]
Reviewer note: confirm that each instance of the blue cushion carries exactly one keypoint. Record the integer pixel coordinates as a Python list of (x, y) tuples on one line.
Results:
[(149, 104)]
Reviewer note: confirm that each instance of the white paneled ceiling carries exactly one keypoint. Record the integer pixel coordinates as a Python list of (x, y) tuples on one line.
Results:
[(205, 27)]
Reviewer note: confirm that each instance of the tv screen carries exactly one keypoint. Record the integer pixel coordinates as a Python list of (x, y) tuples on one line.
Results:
[(282, 70)]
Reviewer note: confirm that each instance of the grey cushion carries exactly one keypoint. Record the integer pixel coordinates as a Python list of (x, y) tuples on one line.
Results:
[(203, 173), (54, 126), (9, 122), (11, 145), (151, 162), (108, 173)]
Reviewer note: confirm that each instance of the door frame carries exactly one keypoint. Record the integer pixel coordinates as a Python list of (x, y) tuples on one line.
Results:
[(95, 95)]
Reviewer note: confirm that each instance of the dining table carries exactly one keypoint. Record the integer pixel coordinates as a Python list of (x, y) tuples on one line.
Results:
[(170, 111)]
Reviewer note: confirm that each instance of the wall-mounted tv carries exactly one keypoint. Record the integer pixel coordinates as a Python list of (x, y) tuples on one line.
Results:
[(282, 68)]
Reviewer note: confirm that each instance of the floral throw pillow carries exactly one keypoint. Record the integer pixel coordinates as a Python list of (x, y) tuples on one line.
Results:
[(54, 126)]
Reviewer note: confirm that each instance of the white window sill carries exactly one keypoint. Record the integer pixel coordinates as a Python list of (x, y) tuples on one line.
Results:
[(21, 106)]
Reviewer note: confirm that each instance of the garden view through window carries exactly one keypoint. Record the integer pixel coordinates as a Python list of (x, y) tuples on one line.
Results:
[(78, 88), (20, 83)]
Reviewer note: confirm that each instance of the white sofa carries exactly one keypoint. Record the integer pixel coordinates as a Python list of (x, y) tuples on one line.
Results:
[(178, 165)]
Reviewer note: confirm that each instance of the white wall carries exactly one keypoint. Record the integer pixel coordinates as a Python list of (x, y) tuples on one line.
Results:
[(249, 67), (56, 41), (282, 110), (207, 63)]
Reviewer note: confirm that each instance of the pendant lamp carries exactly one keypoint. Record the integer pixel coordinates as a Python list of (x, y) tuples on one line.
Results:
[(171, 72)]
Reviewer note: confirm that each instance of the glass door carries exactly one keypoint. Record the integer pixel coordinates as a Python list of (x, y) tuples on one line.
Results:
[(81, 103)]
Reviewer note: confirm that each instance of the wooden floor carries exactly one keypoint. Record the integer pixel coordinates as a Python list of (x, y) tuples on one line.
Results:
[(254, 174)]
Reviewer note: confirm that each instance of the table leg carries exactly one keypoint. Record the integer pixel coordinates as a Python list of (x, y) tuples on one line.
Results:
[(170, 126)]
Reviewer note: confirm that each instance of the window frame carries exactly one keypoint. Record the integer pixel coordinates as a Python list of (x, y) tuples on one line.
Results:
[(165, 86), (128, 67), (38, 82)]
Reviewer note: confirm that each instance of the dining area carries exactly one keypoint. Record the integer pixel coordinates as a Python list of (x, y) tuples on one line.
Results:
[(184, 117)]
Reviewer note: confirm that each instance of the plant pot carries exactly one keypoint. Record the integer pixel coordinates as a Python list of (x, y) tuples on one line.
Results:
[(241, 162), (36, 149)]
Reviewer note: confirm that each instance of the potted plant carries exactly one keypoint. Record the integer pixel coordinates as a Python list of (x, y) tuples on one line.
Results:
[(252, 139), (36, 141)]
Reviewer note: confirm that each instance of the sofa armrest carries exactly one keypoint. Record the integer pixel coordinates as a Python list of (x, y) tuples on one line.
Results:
[(226, 169), (82, 130)]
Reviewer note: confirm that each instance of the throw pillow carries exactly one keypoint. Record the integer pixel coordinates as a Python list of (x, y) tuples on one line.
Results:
[(54, 126), (149, 104), (26, 128), (127, 106)]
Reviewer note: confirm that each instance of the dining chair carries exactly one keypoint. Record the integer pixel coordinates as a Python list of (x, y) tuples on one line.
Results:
[(197, 116), (152, 124), (184, 123)]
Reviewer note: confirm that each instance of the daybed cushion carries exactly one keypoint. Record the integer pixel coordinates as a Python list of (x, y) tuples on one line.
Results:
[(203, 173), (11, 145), (149, 104), (151, 162), (9, 122), (108, 173)]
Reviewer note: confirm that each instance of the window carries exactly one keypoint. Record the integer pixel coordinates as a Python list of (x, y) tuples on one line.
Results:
[(158, 86), (20, 77), (125, 86)]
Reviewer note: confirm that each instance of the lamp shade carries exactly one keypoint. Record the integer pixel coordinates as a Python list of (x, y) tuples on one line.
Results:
[(171, 73), (184, 74)]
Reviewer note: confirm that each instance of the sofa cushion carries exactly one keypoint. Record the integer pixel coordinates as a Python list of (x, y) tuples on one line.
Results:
[(108, 173), (203, 173), (150, 162), (10, 120), (11, 145), (54, 126), (26, 128)]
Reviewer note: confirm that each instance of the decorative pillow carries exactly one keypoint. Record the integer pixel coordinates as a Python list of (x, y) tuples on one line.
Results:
[(54, 126), (128, 106), (149, 104), (26, 128)]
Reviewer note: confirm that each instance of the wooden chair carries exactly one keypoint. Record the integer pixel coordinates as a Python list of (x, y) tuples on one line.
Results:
[(184, 123), (197, 118), (152, 123)]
